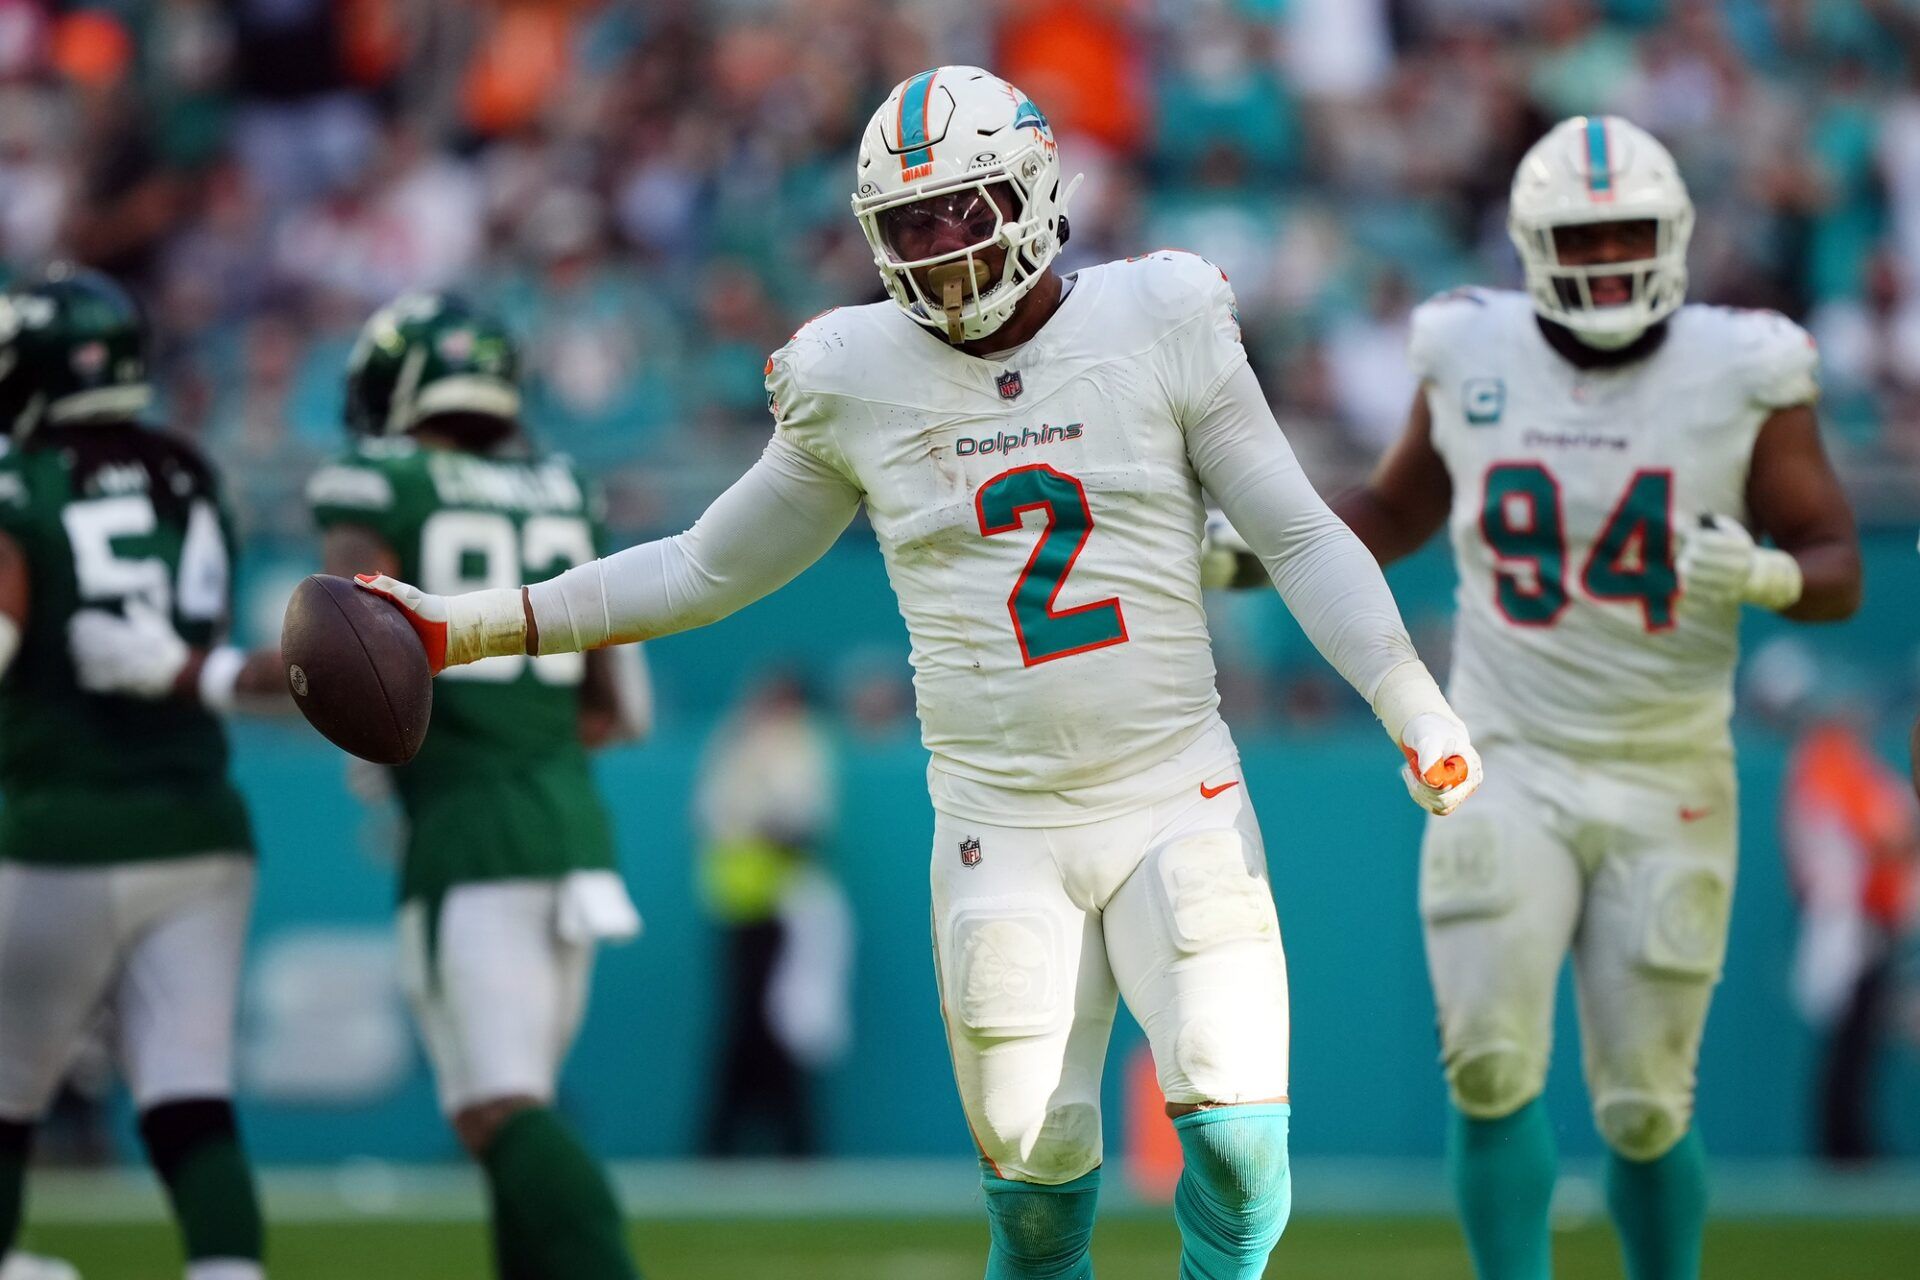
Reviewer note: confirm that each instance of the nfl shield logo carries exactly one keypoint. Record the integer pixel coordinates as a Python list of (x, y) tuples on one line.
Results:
[(970, 852), (1010, 389)]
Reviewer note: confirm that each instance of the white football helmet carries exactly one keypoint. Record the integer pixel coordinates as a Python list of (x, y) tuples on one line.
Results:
[(1592, 169), (950, 132)]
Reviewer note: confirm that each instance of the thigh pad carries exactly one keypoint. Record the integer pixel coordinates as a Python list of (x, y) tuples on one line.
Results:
[(1006, 963), (1214, 891), (1466, 868), (1681, 909)]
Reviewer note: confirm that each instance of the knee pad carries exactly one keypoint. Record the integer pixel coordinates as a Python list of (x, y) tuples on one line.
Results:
[(173, 1131), (1496, 1083), (1641, 1128), (1063, 1145), (1238, 1155), (1040, 1232)]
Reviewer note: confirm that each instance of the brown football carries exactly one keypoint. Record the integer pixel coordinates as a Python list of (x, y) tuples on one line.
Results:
[(356, 669)]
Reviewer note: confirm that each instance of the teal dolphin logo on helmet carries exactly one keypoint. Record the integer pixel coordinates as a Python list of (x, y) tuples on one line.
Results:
[(1026, 115)]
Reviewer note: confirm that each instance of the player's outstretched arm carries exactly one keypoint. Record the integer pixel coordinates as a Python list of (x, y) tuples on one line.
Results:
[(1331, 584), (1813, 571), (756, 537), (1405, 501), (135, 652)]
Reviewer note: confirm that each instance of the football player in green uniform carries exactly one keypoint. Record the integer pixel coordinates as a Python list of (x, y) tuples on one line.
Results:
[(126, 860), (509, 879)]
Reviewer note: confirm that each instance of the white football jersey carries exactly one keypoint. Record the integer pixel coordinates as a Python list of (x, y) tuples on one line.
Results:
[(1040, 521), (1571, 489)]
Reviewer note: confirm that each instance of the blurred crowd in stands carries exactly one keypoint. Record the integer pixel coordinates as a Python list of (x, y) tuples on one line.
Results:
[(654, 191)]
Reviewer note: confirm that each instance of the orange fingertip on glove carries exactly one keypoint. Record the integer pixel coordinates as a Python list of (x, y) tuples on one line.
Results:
[(1450, 772)]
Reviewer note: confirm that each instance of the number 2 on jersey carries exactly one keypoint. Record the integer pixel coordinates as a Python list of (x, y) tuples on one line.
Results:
[(1046, 633), (1631, 560)]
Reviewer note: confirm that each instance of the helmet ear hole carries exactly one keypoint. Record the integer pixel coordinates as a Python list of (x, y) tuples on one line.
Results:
[(1066, 226)]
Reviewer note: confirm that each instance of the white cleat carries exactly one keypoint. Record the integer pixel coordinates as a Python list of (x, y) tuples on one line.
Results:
[(31, 1266)]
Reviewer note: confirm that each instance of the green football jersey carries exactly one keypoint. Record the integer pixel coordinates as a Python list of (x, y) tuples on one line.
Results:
[(105, 515), (501, 787)]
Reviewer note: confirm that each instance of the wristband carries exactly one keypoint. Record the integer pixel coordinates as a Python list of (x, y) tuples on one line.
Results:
[(485, 624), (1408, 691), (218, 688)]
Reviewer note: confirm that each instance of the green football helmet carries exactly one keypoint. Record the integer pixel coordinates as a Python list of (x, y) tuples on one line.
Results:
[(73, 348), (425, 354)]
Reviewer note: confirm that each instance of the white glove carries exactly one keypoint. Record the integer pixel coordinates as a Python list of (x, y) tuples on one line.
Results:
[(1721, 564), (1221, 549), (456, 629), (139, 654), (1442, 768)]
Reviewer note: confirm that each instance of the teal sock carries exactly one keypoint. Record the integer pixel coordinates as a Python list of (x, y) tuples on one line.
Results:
[(1040, 1232), (1236, 1191), (1503, 1174), (555, 1217), (16, 1140), (194, 1145), (1660, 1209)]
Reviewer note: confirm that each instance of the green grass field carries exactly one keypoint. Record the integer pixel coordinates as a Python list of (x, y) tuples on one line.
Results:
[(909, 1249)]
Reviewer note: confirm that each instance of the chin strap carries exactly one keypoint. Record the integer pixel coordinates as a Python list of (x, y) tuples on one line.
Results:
[(1604, 340), (950, 281), (1580, 351)]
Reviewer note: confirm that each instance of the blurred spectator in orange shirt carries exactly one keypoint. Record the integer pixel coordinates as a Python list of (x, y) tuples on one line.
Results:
[(520, 65), (1853, 852), (1086, 62)]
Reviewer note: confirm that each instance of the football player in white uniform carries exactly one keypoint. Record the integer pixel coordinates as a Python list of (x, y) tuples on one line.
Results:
[(1031, 451), (1606, 461)]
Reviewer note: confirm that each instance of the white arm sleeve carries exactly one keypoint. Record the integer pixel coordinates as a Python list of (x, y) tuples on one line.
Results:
[(756, 537), (1326, 575)]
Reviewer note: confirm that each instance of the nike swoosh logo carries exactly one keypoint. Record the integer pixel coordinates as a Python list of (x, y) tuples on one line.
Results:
[(1693, 815), (1208, 793)]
